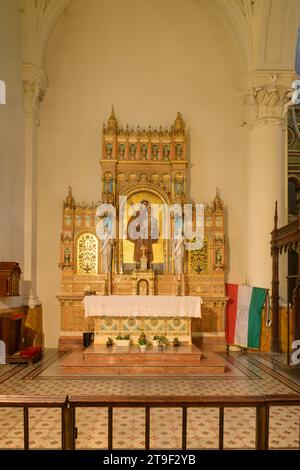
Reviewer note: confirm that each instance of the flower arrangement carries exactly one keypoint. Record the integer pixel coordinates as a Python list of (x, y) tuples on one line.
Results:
[(142, 341), (121, 337), (162, 342), (123, 340)]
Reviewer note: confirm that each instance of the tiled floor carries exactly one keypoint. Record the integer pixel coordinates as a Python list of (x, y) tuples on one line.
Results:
[(248, 374)]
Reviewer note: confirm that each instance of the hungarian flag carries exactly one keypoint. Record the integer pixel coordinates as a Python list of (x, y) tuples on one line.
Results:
[(243, 319)]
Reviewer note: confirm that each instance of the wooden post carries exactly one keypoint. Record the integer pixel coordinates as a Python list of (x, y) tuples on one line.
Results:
[(275, 342), (68, 427), (262, 427), (296, 310)]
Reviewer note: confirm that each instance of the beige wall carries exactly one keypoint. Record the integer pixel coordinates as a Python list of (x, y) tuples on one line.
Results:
[(150, 59), (11, 141)]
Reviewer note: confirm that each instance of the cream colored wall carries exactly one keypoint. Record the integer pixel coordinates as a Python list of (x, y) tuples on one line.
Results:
[(150, 59), (11, 142)]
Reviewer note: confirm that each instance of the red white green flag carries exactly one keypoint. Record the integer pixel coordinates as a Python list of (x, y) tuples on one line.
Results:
[(244, 311)]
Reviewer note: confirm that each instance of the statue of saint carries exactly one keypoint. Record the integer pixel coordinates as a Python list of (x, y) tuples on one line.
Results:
[(178, 254), (106, 251), (178, 246), (142, 230)]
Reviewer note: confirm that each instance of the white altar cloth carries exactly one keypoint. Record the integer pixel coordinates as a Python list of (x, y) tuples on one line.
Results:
[(142, 306)]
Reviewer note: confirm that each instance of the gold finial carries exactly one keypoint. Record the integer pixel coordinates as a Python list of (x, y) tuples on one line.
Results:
[(179, 123), (217, 203), (69, 199), (112, 121)]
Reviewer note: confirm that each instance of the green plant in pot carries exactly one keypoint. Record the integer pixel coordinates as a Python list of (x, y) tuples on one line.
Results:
[(162, 342), (176, 342), (142, 341), (123, 340), (155, 341), (109, 342)]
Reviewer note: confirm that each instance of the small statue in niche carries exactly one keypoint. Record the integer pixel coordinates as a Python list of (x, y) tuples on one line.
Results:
[(155, 149), (108, 183), (166, 152), (178, 184), (109, 149), (144, 151), (121, 150), (218, 261), (88, 220), (78, 219), (132, 151), (178, 151), (143, 287), (143, 178), (67, 258)]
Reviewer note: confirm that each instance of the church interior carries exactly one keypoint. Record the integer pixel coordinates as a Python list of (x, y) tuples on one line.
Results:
[(150, 224)]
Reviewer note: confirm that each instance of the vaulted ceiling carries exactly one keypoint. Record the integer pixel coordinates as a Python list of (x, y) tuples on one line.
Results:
[(266, 30)]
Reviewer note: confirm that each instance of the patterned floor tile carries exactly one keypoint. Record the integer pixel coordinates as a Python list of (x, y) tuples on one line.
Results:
[(248, 374)]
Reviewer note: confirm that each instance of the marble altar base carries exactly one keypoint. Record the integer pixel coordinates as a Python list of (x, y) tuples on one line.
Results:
[(130, 361)]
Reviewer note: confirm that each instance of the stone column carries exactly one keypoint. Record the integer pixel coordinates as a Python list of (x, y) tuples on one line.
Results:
[(34, 86), (266, 93)]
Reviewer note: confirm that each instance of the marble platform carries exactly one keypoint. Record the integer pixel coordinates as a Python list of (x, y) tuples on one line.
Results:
[(183, 360)]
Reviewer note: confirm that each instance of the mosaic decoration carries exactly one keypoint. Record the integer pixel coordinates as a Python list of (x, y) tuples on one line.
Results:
[(198, 261), (87, 254)]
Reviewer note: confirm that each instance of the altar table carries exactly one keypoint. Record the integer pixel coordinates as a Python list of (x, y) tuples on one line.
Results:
[(154, 314), (142, 306)]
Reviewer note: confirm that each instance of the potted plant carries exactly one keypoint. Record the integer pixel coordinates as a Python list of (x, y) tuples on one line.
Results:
[(142, 343), (155, 341), (162, 342), (123, 340), (109, 342), (176, 342)]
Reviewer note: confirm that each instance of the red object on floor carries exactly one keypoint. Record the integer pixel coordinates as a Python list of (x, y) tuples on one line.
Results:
[(31, 351), (16, 316)]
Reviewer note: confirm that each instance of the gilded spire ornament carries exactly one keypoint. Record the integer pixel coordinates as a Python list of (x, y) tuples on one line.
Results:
[(218, 204), (112, 121), (178, 125), (69, 202)]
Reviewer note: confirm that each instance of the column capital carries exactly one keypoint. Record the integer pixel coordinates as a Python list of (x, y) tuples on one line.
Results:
[(35, 82), (266, 95)]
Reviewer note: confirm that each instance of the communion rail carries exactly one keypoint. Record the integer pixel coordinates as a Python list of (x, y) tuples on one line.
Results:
[(69, 404)]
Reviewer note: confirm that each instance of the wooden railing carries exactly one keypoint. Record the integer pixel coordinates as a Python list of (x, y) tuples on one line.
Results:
[(69, 404)]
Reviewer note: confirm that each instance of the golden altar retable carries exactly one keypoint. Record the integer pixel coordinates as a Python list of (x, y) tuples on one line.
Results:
[(141, 164)]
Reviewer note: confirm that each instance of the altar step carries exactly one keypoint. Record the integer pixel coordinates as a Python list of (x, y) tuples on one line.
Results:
[(183, 360)]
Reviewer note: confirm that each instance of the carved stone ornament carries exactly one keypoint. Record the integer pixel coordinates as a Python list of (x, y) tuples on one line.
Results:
[(267, 97)]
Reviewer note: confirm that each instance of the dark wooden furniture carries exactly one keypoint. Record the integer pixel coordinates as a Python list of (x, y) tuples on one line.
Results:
[(11, 332), (284, 239), (28, 355), (10, 273)]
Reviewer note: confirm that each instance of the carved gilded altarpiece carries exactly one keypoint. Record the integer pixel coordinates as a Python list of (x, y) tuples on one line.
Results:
[(143, 164)]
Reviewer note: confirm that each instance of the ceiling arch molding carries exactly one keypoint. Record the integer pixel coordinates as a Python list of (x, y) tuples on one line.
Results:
[(266, 30), (38, 18)]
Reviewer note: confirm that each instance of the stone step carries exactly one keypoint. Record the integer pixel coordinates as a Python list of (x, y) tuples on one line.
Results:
[(140, 359), (100, 360), (207, 368)]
